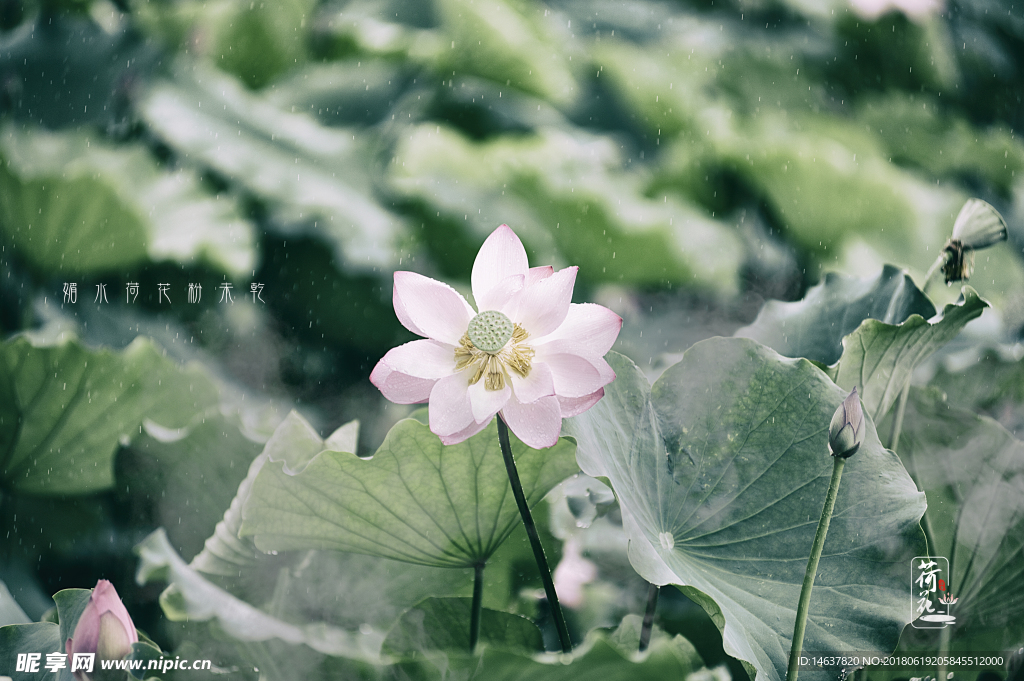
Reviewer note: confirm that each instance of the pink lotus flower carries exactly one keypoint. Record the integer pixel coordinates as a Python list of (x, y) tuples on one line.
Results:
[(528, 352), (105, 628)]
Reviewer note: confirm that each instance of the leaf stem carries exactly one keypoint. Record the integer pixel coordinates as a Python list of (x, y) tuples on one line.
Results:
[(531, 531), (897, 418), (812, 568), (652, 604), (477, 608)]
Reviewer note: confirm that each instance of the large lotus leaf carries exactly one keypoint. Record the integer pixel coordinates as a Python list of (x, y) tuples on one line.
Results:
[(815, 326), (442, 624), (294, 442), (345, 588), (75, 405), (605, 654), (322, 585), (168, 466), (190, 597), (416, 500), (972, 470), (73, 203), (878, 358), (721, 472), (310, 175)]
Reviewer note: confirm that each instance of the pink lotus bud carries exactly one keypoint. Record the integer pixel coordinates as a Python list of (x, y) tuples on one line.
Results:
[(105, 628)]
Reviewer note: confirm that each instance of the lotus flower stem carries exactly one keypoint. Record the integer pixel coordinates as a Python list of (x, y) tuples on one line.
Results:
[(652, 605), (478, 600), (932, 271), (531, 531), (812, 568)]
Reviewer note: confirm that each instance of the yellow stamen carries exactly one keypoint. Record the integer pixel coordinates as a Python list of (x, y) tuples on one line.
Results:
[(493, 367)]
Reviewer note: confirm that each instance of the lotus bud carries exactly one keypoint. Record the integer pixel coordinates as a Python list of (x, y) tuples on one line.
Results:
[(105, 628), (846, 431), (979, 225)]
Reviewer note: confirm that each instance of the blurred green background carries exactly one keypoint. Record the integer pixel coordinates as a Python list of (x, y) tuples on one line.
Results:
[(693, 157), (713, 152)]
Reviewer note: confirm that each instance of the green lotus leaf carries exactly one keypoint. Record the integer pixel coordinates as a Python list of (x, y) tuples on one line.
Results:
[(815, 326), (721, 471), (168, 466), (416, 500), (44, 638), (190, 597), (878, 358), (295, 442), (71, 407), (610, 655), (71, 603), (39, 637), (972, 471), (442, 624)]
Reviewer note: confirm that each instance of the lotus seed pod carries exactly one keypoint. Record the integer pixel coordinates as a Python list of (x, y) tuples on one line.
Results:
[(490, 331)]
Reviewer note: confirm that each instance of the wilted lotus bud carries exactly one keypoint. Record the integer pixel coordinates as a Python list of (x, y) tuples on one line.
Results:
[(846, 431), (105, 628), (978, 225)]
